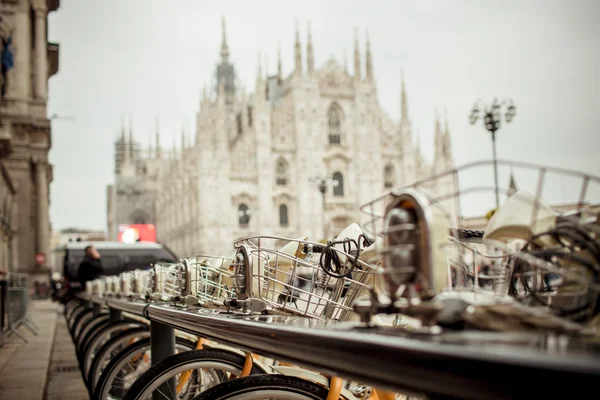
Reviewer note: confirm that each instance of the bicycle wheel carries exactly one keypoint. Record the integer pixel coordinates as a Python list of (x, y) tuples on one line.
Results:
[(89, 327), (71, 304), (110, 350), (101, 337), (72, 310), (76, 317), (260, 387), (78, 326), (214, 364), (127, 366)]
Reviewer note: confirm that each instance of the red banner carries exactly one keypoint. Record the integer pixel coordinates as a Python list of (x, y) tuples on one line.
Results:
[(137, 233)]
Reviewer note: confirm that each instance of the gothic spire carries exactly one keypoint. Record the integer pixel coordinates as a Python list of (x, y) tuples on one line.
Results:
[(183, 137), (158, 149), (447, 145), (122, 129), (124, 146), (279, 69), (369, 62), (357, 74), (224, 47), (310, 61), (131, 143), (403, 100), (259, 71), (150, 146), (438, 138), (174, 149), (298, 52)]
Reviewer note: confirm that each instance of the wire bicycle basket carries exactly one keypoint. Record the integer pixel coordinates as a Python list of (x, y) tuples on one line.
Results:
[(168, 282), (299, 276), (435, 238), (210, 279)]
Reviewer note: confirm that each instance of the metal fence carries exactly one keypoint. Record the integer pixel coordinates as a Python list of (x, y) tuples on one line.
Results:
[(17, 306)]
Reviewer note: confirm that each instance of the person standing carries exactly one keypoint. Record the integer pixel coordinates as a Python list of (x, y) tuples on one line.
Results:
[(90, 268)]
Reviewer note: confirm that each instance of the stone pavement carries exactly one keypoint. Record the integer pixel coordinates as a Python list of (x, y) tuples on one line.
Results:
[(27, 370), (64, 378)]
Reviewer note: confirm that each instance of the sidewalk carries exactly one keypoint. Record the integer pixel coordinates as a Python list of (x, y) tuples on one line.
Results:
[(24, 366), (64, 379), (46, 367)]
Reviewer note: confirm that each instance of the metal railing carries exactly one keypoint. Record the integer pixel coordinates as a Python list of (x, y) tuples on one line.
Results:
[(17, 306), (452, 365)]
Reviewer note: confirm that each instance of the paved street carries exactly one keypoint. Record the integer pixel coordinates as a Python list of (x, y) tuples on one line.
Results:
[(33, 370)]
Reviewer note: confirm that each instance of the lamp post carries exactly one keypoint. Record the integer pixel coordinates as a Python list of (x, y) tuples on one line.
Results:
[(492, 118), (322, 184)]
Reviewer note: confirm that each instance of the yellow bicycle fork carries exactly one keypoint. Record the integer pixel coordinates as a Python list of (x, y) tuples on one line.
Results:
[(185, 376)]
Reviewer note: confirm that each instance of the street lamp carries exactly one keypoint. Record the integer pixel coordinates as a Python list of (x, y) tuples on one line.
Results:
[(322, 184), (492, 117)]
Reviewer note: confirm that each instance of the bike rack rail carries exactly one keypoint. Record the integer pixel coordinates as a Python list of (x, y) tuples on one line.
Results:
[(463, 365)]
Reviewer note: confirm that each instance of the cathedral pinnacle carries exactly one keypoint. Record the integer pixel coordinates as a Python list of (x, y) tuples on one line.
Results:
[(259, 71), (224, 47), (298, 52), (279, 69), (123, 129), (310, 61), (357, 73), (369, 62), (131, 143), (183, 137), (403, 100), (158, 149)]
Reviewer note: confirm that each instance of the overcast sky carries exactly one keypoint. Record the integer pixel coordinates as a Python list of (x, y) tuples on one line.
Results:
[(151, 58)]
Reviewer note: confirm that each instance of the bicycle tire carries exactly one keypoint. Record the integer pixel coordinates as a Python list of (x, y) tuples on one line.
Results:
[(189, 358), (94, 324), (69, 313), (96, 339), (126, 354), (269, 384), (102, 319), (76, 318), (108, 347), (85, 319)]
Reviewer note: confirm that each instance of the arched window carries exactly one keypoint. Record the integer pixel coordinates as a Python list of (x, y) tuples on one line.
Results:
[(281, 173), (334, 117), (338, 186), (283, 215), (388, 176), (243, 215)]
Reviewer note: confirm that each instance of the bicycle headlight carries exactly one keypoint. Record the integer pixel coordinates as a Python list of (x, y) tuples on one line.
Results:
[(414, 231)]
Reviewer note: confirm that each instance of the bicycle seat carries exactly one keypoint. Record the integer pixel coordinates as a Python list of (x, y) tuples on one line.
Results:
[(522, 216)]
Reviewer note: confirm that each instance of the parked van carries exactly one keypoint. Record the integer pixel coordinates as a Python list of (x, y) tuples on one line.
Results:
[(116, 257)]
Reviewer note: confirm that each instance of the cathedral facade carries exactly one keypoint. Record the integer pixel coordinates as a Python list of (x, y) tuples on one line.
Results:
[(296, 157)]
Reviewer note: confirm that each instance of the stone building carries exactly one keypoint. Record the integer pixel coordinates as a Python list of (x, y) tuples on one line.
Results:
[(255, 157), (132, 198), (25, 134)]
